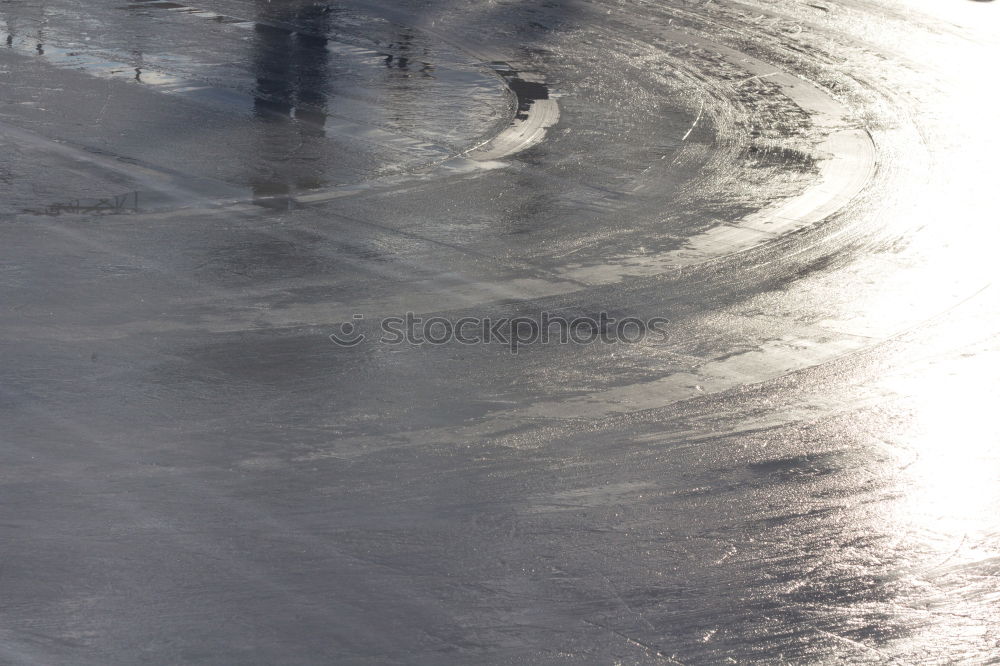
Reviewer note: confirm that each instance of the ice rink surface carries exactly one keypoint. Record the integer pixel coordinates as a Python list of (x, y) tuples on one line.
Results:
[(800, 463)]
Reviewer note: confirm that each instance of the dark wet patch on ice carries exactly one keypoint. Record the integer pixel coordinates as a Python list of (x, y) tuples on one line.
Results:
[(527, 91), (177, 7), (263, 257), (275, 98), (795, 467), (778, 156), (290, 95), (282, 360), (160, 5)]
